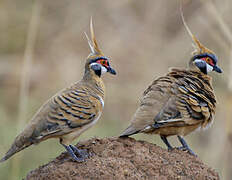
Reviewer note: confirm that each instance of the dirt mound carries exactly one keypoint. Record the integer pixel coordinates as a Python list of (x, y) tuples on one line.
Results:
[(115, 158)]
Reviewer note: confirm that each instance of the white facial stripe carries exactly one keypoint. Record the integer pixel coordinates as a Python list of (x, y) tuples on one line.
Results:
[(93, 64), (209, 68), (198, 60), (103, 70)]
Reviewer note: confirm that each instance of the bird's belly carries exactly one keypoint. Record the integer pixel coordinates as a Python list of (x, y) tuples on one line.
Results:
[(170, 131), (68, 138)]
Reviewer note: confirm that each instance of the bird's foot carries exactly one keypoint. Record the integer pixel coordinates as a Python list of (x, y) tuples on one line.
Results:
[(81, 152), (183, 148), (170, 148), (76, 154)]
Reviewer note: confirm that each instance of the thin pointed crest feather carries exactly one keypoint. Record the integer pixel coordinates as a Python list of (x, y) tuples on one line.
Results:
[(90, 43), (199, 48), (94, 41)]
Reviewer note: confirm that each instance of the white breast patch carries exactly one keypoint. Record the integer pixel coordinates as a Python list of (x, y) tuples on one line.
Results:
[(102, 101)]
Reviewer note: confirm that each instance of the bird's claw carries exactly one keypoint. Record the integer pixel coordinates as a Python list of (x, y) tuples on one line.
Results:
[(182, 148), (76, 154), (80, 152)]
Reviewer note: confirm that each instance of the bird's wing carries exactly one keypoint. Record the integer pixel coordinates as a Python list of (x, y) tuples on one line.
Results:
[(193, 101), (70, 109), (196, 99), (181, 98), (155, 97)]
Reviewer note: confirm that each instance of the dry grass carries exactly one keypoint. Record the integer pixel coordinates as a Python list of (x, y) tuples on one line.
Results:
[(143, 39), (25, 81)]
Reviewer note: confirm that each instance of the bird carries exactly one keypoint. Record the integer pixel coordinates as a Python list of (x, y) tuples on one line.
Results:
[(71, 111), (179, 102)]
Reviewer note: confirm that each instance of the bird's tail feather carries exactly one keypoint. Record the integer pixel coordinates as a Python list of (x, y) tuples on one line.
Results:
[(129, 131), (18, 145)]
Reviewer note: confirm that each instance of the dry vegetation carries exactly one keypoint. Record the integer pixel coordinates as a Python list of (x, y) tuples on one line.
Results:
[(143, 39)]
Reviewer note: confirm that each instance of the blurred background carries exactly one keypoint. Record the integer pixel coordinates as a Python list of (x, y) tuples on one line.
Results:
[(43, 49)]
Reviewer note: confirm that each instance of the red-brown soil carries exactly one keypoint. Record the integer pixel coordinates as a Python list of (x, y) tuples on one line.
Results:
[(116, 158)]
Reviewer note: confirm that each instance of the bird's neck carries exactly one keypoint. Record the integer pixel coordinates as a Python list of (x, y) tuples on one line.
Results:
[(192, 67), (201, 75), (95, 82)]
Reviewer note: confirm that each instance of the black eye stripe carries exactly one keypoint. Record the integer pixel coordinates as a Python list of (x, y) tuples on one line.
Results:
[(98, 58)]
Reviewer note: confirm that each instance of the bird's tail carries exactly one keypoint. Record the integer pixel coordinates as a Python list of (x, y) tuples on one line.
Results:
[(19, 144), (128, 132)]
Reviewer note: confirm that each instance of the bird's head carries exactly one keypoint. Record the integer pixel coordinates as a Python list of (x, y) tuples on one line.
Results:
[(203, 58), (96, 61), (205, 62)]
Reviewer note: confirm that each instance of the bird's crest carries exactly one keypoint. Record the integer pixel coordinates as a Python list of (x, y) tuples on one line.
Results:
[(199, 48), (95, 50)]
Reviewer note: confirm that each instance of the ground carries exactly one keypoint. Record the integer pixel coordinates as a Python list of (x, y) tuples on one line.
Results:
[(116, 158)]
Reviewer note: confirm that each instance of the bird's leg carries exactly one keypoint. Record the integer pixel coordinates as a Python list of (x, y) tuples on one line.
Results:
[(82, 152), (72, 153), (185, 145), (164, 139)]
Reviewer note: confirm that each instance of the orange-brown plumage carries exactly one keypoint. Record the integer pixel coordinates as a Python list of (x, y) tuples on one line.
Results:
[(179, 102), (71, 111)]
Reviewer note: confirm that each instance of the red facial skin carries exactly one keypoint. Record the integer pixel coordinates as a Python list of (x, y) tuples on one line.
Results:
[(103, 62), (208, 60)]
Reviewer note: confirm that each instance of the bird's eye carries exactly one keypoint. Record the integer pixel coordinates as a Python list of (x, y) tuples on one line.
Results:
[(208, 60), (103, 62)]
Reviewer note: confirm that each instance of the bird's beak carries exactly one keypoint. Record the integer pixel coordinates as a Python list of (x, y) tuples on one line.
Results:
[(111, 70), (217, 69)]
